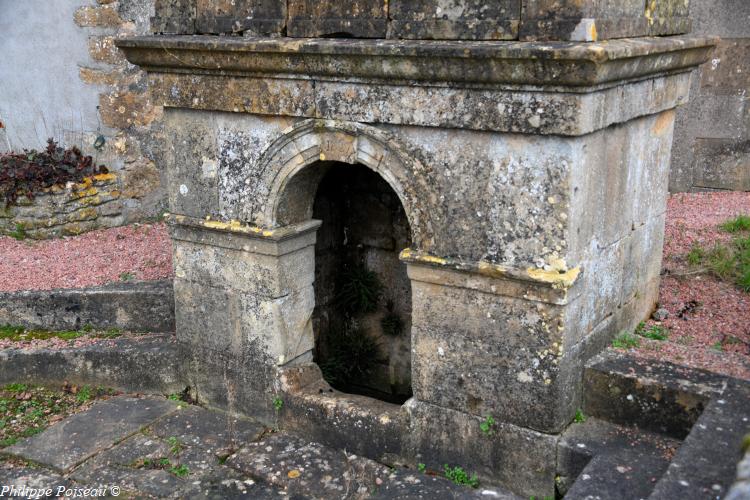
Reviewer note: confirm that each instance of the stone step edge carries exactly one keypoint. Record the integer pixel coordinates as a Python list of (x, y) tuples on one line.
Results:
[(657, 396)]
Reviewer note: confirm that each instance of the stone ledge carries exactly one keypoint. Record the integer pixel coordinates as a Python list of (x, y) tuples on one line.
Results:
[(551, 286), (139, 307), (148, 365), (557, 64), (237, 235)]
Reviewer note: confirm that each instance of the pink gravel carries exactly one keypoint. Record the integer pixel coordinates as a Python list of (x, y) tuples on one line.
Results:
[(143, 251), (714, 331)]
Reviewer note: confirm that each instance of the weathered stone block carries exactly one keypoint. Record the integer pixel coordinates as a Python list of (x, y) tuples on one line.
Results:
[(668, 17), (253, 17), (123, 110), (722, 164), (174, 16), (727, 71), (97, 17), (454, 20), (502, 353), (349, 18), (522, 459)]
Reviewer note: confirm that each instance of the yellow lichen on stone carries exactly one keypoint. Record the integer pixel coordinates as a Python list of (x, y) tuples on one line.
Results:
[(104, 177), (558, 278), (492, 270), (409, 254), (593, 35)]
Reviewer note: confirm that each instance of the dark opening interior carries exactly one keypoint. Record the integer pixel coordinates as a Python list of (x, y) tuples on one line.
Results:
[(362, 317)]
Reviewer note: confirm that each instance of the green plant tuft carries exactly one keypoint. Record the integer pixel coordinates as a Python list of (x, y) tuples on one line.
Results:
[(580, 417), (359, 291), (421, 468), (739, 223), (84, 394), (278, 403), (19, 233), (180, 470), (653, 332), (460, 477), (626, 341), (352, 354), (487, 425)]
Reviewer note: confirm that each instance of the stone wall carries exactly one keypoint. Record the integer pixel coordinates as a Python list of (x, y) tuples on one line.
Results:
[(712, 138), (63, 77), (578, 20), (67, 210)]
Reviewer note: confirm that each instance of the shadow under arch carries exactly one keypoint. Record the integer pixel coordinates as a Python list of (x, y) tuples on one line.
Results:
[(288, 168)]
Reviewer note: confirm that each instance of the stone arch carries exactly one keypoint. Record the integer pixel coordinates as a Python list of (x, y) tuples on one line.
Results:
[(287, 170)]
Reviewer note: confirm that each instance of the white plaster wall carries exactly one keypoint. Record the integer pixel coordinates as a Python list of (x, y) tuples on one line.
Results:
[(41, 94)]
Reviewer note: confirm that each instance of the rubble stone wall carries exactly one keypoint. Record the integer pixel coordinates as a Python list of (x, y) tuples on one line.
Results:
[(68, 210)]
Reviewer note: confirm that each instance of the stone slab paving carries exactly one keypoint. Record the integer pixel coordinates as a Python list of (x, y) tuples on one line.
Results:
[(156, 448), (75, 439)]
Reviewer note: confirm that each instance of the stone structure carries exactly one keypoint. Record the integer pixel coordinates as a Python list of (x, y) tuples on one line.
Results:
[(65, 210), (532, 177), (712, 139)]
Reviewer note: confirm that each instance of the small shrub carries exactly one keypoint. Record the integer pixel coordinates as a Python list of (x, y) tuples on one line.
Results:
[(421, 468), (278, 403), (30, 172), (739, 223), (626, 341), (460, 477)]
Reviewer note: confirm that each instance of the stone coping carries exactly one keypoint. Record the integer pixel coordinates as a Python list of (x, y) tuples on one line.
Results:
[(242, 228), (558, 279), (554, 64)]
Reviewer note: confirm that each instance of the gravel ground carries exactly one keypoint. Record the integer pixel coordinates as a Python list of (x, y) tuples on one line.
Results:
[(140, 252), (709, 319)]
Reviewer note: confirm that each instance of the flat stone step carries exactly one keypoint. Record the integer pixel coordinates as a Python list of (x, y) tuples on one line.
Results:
[(192, 440), (146, 364), (656, 396), (81, 436), (306, 469), (705, 465), (625, 462), (310, 469), (406, 485)]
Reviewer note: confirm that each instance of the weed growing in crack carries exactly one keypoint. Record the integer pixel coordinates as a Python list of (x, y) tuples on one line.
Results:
[(487, 425), (580, 417), (460, 477)]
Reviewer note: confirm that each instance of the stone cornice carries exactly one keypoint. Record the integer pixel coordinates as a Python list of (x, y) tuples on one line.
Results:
[(455, 63)]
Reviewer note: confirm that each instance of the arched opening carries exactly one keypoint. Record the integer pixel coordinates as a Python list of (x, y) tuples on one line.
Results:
[(362, 317)]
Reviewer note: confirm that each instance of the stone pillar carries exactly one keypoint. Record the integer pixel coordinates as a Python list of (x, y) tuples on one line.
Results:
[(244, 300)]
